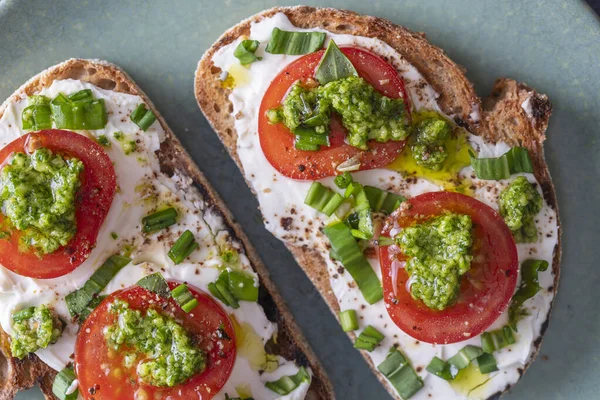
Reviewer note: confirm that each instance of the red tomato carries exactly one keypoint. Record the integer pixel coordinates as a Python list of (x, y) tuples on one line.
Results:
[(486, 289), (95, 365), (92, 204), (277, 142)]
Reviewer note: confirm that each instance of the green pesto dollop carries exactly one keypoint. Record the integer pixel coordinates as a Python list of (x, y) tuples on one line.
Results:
[(37, 331), (439, 252), (519, 203), (365, 113), (427, 144), (164, 351), (38, 197)]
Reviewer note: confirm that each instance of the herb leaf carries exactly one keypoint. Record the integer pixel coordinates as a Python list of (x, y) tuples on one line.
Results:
[(294, 43), (245, 51), (334, 65)]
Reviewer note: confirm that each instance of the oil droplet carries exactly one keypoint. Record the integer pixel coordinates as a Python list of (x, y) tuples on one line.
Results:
[(237, 75), (470, 382), (448, 177), (249, 344)]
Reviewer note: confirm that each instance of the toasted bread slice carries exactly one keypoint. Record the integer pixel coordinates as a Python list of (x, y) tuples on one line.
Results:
[(16, 375), (499, 118)]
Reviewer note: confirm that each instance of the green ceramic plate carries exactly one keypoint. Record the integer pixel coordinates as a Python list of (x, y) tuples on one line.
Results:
[(553, 46)]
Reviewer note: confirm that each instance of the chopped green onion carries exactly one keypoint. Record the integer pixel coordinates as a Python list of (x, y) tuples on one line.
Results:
[(294, 43), (530, 285), (464, 357), (487, 363), (245, 51), (286, 384), (183, 247), (89, 308), (368, 339), (36, 117), (512, 162), (385, 241), (159, 220), (442, 369), (184, 298), (79, 111), (155, 283), (323, 199), (383, 201), (334, 65), (62, 385), (78, 300), (143, 117), (82, 95), (496, 340), (309, 137), (363, 209), (24, 314), (38, 99), (345, 247), (349, 320), (342, 181), (400, 374), (234, 286)]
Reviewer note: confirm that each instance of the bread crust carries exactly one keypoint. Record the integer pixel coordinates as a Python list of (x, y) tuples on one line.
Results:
[(501, 117), (16, 375)]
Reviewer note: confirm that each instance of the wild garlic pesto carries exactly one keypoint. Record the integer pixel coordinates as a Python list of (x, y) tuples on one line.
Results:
[(34, 328), (163, 351), (519, 203), (439, 252), (38, 198), (365, 113), (427, 144)]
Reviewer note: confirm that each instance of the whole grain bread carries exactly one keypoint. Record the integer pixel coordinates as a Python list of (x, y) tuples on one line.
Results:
[(499, 118), (17, 374)]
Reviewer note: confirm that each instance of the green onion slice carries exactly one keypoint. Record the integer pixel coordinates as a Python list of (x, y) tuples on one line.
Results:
[(514, 161), (345, 247), (349, 320), (36, 117), (183, 247), (334, 65), (24, 314), (400, 374), (442, 369), (234, 286), (142, 117), (383, 201), (159, 220), (464, 357), (184, 298), (245, 51), (90, 307), (286, 384), (487, 363), (155, 283), (62, 385), (342, 181), (294, 43), (79, 111), (530, 285), (323, 199), (78, 300), (368, 339), (363, 210), (496, 340), (309, 139)]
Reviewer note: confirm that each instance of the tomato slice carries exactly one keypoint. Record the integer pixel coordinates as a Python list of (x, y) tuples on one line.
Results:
[(96, 369), (486, 289), (92, 204), (277, 142)]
